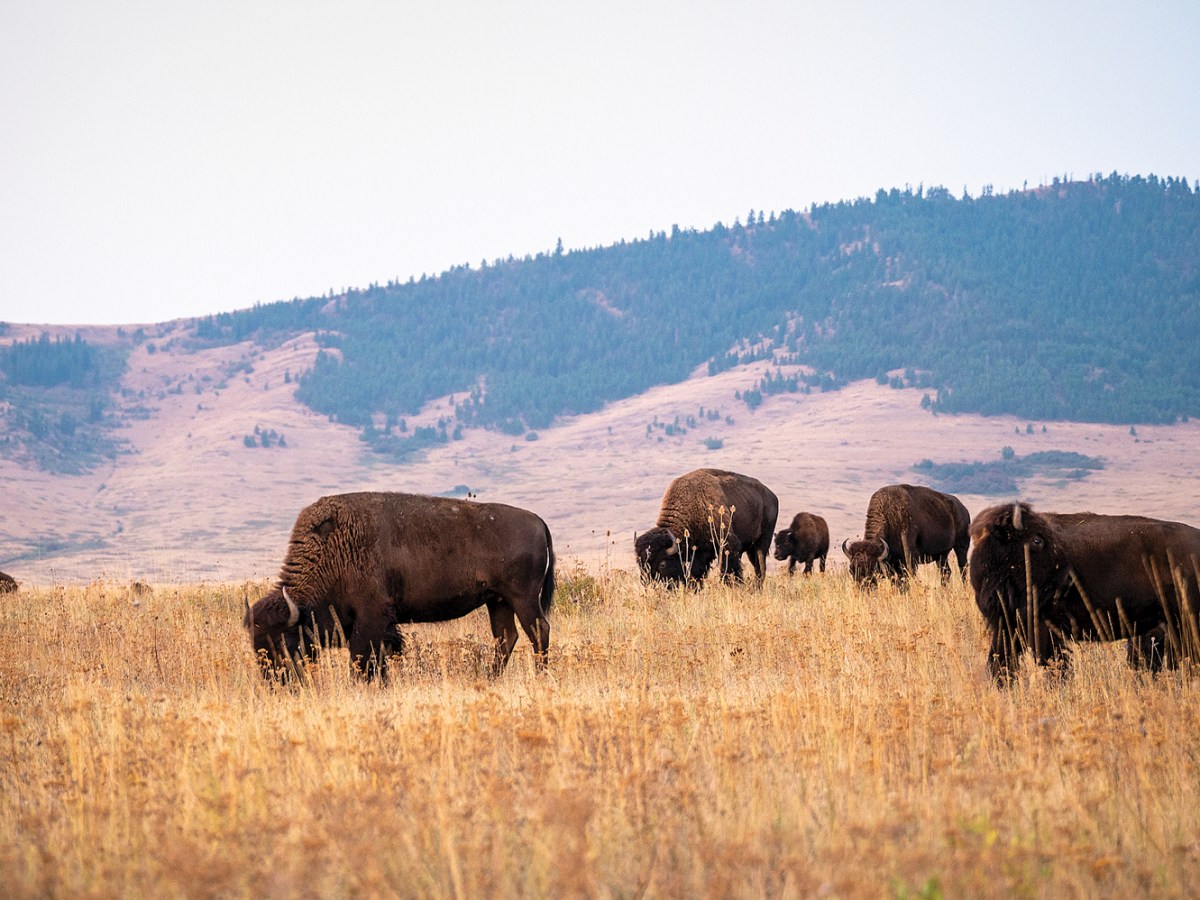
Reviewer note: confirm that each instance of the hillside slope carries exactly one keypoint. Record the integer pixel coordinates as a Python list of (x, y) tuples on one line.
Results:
[(189, 500), (1076, 301)]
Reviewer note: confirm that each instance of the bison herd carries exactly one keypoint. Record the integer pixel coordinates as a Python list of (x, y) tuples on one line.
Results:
[(358, 565)]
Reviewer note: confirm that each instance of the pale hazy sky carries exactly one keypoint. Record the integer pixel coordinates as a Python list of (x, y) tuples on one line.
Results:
[(165, 159)]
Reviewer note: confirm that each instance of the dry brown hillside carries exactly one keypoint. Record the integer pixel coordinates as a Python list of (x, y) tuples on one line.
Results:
[(190, 501)]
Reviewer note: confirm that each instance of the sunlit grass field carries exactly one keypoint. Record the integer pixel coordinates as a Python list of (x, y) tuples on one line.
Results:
[(804, 740)]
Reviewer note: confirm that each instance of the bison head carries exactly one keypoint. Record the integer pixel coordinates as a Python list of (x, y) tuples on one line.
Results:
[(274, 626), (867, 558), (659, 556), (1012, 547), (785, 544)]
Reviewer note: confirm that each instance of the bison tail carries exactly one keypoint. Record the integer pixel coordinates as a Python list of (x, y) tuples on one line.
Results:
[(547, 597)]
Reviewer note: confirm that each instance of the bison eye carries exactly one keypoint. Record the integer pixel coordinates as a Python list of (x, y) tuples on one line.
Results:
[(1036, 542)]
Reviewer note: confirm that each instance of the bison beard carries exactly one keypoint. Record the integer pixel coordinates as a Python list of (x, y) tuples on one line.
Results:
[(359, 565), (284, 638), (1041, 579)]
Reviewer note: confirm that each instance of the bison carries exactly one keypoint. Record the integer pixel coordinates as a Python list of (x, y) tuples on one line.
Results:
[(709, 515), (1043, 578), (908, 525), (8, 584), (805, 540), (368, 562)]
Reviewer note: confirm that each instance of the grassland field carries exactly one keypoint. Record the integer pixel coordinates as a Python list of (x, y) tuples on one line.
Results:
[(804, 740)]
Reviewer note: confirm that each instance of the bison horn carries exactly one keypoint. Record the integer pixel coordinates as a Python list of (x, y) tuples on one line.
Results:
[(844, 548), (293, 610), (1017, 516), (884, 554), (674, 548)]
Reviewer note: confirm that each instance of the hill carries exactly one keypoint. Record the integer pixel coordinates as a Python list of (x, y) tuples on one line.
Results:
[(1075, 301), (188, 499)]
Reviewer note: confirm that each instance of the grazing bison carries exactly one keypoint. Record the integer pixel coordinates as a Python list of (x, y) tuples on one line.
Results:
[(805, 540), (8, 584), (1093, 578), (708, 515), (908, 525), (368, 562)]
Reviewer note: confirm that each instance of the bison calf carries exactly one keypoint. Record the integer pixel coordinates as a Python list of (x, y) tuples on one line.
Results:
[(709, 515), (369, 562), (1043, 578), (805, 540)]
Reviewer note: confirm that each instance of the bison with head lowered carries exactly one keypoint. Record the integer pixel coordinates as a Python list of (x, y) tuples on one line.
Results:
[(708, 516), (368, 562), (1041, 579), (908, 525)]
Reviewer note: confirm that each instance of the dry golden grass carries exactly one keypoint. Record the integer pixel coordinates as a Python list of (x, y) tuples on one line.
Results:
[(808, 740)]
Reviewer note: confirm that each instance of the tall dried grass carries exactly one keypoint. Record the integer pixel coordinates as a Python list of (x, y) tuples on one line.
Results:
[(808, 739)]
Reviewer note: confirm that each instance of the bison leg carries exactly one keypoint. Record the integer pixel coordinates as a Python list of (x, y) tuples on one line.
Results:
[(960, 555), (808, 564), (759, 554), (504, 630), (701, 562), (823, 563), (760, 571), (1149, 651), (944, 567), (1051, 650), (1003, 656), (732, 568), (371, 639), (537, 629), (791, 565)]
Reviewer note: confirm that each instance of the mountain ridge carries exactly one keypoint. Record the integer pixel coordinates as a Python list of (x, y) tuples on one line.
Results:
[(1077, 301)]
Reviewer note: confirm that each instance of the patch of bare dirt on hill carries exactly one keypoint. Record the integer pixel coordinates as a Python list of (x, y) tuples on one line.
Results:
[(192, 502), (187, 499)]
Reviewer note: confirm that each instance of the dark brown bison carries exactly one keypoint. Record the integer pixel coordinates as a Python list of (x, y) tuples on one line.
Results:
[(368, 562), (709, 515), (8, 584), (805, 540), (908, 525), (1093, 578)]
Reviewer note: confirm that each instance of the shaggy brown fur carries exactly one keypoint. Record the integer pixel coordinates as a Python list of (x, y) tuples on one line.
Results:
[(1137, 575), (908, 525), (378, 560), (706, 515), (8, 584), (805, 540)]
